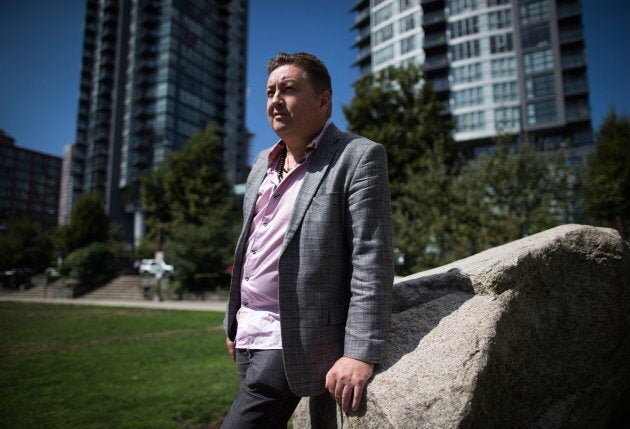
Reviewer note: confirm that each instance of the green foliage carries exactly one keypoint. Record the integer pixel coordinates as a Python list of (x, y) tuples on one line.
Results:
[(607, 193), (90, 265), (396, 109), (88, 223), (519, 190), (192, 213), (202, 253), (25, 246), (444, 209), (94, 367)]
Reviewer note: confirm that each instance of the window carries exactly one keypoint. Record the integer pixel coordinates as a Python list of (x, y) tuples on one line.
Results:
[(383, 54), (539, 86), (467, 73), (384, 34), (534, 37), (408, 23), (532, 12), (464, 27), (467, 49), (491, 3), (408, 44), (505, 91), (538, 61), (500, 19), (376, 2), (541, 112), (468, 97), (381, 15), (503, 67), (403, 5), (501, 43), (456, 7), (470, 121)]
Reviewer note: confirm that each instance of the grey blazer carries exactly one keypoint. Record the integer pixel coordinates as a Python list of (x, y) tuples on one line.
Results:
[(336, 267)]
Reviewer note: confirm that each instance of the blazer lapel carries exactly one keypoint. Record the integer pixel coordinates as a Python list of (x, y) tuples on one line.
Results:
[(257, 175), (315, 172)]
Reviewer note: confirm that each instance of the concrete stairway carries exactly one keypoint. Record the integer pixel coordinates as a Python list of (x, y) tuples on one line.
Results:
[(123, 288)]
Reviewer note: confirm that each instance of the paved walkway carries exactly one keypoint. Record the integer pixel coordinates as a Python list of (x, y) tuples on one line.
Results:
[(161, 305)]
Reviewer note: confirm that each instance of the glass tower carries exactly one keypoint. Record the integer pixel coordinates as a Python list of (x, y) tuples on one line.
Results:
[(500, 66), (153, 73)]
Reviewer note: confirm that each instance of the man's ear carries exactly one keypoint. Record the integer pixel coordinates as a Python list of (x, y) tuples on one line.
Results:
[(325, 100)]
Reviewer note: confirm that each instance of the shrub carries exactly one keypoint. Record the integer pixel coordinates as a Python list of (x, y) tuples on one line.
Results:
[(92, 264)]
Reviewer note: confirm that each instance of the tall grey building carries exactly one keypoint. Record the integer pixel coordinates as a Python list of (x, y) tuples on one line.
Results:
[(500, 66), (153, 73)]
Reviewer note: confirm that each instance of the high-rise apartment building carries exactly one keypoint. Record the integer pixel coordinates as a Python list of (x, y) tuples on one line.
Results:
[(153, 73), (500, 66), (29, 184)]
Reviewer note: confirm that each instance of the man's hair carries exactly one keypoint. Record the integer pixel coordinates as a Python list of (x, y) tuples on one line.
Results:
[(313, 66)]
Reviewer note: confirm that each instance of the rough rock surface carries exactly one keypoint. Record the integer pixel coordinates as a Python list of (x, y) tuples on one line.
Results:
[(535, 333)]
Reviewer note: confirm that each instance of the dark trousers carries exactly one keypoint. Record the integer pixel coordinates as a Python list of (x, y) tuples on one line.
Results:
[(264, 400)]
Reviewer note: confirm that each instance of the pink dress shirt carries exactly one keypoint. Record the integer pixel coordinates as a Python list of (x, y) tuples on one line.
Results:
[(259, 315)]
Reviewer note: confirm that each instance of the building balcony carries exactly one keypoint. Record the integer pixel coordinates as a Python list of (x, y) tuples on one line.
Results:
[(144, 112), (433, 18), (145, 80), (568, 10), (434, 40), (435, 63), (360, 4), (363, 54), (431, 2), (575, 87), (139, 145), (572, 61), (362, 38), (571, 35), (440, 85), (139, 159), (362, 18), (577, 113)]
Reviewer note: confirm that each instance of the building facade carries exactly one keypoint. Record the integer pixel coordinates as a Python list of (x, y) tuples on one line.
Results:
[(153, 73), (500, 66), (29, 184)]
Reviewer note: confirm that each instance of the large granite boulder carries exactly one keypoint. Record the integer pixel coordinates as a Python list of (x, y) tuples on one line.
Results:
[(535, 333)]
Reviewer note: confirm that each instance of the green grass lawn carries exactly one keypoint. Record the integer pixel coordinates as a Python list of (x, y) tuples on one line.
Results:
[(65, 366)]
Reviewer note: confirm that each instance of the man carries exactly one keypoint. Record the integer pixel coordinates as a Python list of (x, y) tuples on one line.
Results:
[(310, 299)]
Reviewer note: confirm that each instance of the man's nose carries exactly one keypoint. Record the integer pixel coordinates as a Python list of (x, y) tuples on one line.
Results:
[(277, 98)]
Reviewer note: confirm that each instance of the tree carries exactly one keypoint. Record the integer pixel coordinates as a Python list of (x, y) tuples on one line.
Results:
[(192, 211), (607, 190), (25, 247), (399, 110), (88, 224), (515, 191)]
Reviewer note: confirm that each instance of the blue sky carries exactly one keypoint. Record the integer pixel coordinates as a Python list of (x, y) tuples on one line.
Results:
[(40, 55)]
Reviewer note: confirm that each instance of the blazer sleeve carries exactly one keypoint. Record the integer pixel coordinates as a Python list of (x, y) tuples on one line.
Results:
[(369, 229)]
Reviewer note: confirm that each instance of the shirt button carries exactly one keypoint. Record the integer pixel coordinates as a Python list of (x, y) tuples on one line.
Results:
[(265, 223), (246, 278), (254, 251)]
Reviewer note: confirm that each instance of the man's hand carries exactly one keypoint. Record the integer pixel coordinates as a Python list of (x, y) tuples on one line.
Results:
[(230, 348), (346, 380)]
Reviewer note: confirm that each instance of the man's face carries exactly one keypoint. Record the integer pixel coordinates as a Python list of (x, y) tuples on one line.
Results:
[(294, 109)]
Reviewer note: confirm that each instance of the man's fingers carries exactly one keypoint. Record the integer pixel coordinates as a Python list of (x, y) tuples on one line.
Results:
[(356, 397)]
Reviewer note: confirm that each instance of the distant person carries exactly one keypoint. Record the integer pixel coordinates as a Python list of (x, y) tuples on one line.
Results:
[(310, 299)]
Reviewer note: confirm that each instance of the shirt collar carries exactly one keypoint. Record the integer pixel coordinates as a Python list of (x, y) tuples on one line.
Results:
[(275, 152)]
